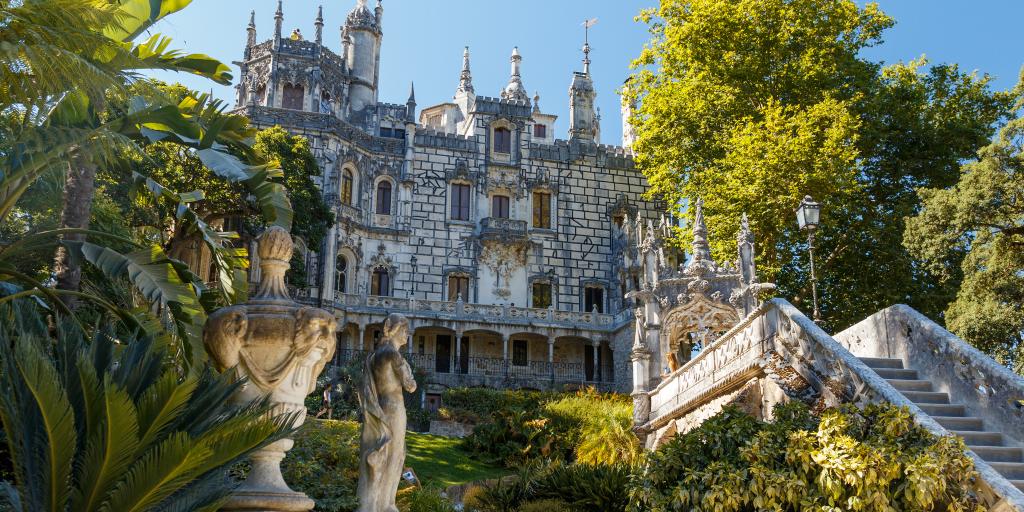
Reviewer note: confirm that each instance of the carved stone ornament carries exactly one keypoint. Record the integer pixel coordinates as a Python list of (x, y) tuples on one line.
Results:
[(280, 347)]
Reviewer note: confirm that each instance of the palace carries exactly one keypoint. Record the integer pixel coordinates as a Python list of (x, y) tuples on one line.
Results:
[(503, 244)]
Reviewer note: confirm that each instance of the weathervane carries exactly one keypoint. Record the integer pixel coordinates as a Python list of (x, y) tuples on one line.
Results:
[(586, 43)]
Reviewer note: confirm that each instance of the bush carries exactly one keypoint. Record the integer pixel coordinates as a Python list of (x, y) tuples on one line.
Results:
[(849, 459), (576, 487), (324, 464), (483, 403), (423, 499), (595, 428), (546, 506)]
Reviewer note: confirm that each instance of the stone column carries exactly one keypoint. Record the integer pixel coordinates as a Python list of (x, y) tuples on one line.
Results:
[(504, 353), (328, 264), (362, 337), (551, 357), (597, 359), (458, 351)]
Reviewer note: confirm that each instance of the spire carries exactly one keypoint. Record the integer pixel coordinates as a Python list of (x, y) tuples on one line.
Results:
[(378, 14), (251, 41), (320, 25), (278, 20), (701, 250), (515, 90), (586, 44), (465, 78), (410, 104)]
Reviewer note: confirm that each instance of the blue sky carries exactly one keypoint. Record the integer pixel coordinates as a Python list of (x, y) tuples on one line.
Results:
[(423, 41)]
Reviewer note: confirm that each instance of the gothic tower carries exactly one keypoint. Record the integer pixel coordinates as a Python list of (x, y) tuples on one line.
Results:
[(582, 118), (363, 31)]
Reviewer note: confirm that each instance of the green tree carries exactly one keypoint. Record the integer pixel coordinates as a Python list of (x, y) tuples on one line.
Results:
[(753, 104), (972, 233)]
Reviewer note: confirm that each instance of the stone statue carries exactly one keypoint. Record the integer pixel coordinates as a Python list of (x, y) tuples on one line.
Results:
[(382, 447), (280, 348)]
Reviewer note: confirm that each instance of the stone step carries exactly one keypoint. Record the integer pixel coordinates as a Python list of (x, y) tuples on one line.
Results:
[(974, 438), (970, 423), (895, 373), (1009, 470), (1018, 483), (943, 409), (910, 384), (927, 397), (882, 362), (999, 453)]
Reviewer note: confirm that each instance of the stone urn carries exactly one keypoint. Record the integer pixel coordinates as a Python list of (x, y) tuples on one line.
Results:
[(280, 347)]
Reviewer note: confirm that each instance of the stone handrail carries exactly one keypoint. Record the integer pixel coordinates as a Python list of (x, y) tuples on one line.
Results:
[(777, 335), (951, 364), (465, 310)]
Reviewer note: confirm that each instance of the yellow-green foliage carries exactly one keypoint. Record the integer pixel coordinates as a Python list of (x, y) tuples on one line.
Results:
[(850, 460), (545, 506), (597, 426)]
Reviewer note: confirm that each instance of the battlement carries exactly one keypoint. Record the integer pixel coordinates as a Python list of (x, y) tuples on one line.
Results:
[(430, 137), (502, 107), (606, 155)]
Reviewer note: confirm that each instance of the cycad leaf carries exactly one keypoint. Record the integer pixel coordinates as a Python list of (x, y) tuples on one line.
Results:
[(161, 472), (161, 403), (111, 449), (57, 417)]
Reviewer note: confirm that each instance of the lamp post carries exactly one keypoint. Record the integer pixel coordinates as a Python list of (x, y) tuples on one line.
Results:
[(807, 216)]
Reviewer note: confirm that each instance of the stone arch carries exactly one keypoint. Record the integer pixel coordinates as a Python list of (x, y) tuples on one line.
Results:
[(384, 195), (698, 321)]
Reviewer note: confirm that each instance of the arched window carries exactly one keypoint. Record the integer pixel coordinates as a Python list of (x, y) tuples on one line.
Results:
[(384, 198), (346, 187), (293, 96), (502, 140), (380, 283), (341, 275)]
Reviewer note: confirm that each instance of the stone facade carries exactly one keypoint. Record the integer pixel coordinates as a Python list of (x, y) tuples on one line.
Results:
[(504, 245)]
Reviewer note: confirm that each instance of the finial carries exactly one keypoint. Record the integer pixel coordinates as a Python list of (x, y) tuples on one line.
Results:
[(320, 25), (465, 77), (412, 93), (586, 44), (251, 30), (278, 19), (745, 235), (515, 90), (275, 248), (701, 250), (536, 101), (361, 4)]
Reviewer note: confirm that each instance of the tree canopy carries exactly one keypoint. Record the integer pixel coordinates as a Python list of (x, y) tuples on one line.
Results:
[(753, 104), (973, 232)]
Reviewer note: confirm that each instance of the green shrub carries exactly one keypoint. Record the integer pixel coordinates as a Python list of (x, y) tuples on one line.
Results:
[(483, 403), (595, 428), (576, 487), (546, 506), (511, 437), (849, 459), (324, 464), (423, 499)]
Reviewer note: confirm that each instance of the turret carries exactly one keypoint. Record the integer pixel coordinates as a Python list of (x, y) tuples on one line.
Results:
[(251, 31), (515, 90), (465, 77), (363, 28), (410, 104), (582, 118)]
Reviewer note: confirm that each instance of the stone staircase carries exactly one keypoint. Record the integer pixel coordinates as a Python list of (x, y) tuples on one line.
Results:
[(1004, 454)]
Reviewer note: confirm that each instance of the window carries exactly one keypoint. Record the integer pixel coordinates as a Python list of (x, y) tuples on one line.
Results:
[(325, 102), (542, 210), (502, 140), (346, 187), (499, 207), (341, 275), (380, 284), (541, 294), (593, 299), (293, 96), (540, 131), (458, 286), (460, 201), (384, 198), (519, 353)]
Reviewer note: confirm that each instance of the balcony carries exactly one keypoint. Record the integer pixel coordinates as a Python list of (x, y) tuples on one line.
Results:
[(497, 372), (501, 229)]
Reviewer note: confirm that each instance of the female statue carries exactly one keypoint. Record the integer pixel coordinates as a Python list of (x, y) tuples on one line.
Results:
[(382, 447)]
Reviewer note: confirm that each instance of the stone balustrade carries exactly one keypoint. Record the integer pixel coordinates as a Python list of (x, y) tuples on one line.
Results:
[(495, 313)]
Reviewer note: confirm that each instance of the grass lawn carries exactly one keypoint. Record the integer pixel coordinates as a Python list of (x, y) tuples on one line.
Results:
[(439, 461)]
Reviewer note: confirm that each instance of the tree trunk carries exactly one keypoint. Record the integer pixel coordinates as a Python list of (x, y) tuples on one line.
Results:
[(79, 189)]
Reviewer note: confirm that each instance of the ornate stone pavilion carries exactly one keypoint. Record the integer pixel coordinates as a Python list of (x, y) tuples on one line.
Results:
[(504, 245)]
